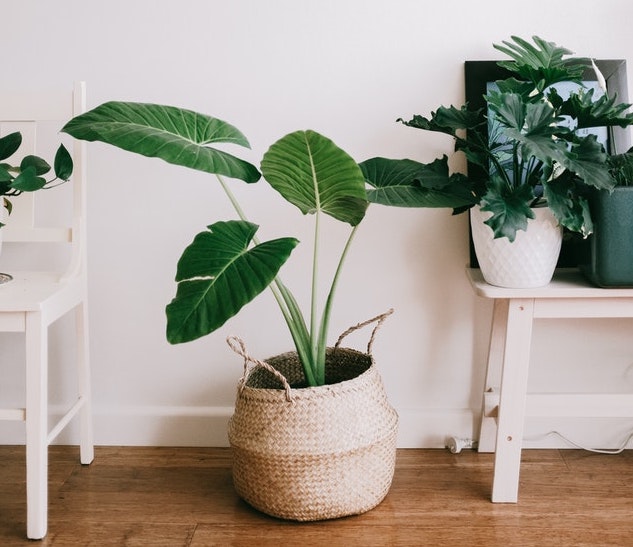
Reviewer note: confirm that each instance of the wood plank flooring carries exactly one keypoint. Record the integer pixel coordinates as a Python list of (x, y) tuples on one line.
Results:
[(176, 497)]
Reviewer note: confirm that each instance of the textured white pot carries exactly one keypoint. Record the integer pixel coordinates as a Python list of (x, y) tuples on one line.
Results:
[(529, 261)]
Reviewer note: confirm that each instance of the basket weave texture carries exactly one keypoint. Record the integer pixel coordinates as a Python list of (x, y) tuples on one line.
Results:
[(314, 453)]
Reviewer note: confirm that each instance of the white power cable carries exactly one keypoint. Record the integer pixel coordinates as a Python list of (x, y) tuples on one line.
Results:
[(576, 445), (457, 444)]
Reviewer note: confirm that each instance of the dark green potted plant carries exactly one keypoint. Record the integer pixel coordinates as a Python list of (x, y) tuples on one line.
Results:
[(27, 174), (610, 257), (526, 149), (226, 266)]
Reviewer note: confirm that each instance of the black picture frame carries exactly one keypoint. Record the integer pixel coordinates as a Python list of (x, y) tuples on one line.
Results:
[(478, 74)]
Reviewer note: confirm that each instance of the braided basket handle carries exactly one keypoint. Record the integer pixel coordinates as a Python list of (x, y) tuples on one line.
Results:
[(250, 364), (379, 320)]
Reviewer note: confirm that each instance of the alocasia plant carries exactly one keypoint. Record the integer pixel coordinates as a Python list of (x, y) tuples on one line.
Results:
[(227, 265)]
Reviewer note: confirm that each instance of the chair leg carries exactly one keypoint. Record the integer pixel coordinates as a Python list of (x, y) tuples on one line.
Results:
[(36, 426), (85, 392)]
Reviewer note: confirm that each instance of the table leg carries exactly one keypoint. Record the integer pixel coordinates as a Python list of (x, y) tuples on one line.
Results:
[(512, 399), (490, 402)]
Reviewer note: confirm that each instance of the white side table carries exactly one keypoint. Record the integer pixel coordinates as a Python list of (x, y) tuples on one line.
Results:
[(505, 397)]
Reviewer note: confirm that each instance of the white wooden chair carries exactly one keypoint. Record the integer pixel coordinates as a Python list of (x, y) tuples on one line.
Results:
[(33, 300)]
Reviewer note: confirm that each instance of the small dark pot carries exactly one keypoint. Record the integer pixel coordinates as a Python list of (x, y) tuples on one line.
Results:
[(610, 263)]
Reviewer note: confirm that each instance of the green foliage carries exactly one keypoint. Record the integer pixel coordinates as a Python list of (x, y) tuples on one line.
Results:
[(532, 153), (226, 266), (621, 167), (9, 145), (532, 147), (320, 177), (446, 120), (217, 263), (407, 183), (604, 111), (29, 175), (542, 63), (509, 205), (172, 134)]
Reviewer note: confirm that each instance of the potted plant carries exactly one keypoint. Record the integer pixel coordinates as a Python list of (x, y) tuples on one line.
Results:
[(610, 257), (313, 435), (28, 175), (533, 157)]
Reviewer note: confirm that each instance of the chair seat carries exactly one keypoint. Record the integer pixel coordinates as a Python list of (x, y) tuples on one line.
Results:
[(35, 290)]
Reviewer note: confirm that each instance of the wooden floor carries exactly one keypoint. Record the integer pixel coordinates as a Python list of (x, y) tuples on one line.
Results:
[(184, 497)]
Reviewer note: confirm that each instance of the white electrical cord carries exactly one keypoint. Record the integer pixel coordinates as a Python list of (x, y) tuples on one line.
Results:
[(576, 445), (457, 444)]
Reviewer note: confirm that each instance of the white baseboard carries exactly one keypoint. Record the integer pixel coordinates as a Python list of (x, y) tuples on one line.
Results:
[(419, 428), (207, 426), (162, 426)]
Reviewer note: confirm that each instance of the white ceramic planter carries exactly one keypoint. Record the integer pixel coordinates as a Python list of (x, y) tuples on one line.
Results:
[(529, 261)]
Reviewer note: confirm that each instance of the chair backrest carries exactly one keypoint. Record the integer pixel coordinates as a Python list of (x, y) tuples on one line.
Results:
[(39, 116)]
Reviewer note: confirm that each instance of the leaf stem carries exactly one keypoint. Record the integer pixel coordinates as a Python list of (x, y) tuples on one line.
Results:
[(234, 202), (314, 291), (318, 365), (327, 311), (286, 302)]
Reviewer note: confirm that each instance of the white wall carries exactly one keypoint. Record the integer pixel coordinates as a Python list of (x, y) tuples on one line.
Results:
[(346, 68)]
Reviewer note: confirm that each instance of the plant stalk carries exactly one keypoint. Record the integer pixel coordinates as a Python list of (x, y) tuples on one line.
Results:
[(314, 295), (286, 302), (327, 311)]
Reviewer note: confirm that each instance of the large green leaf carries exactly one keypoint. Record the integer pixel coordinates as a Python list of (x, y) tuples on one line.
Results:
[(314, 174), (620, 166), (543, 63), (533, 132), (519, 87), (600, 112), (407, 183), (508, 108), (588, 160), (567, 204), (447, 120), (542, 147), (173, 134), (9, 144), (510, 208), (218, 274), (453, 121)]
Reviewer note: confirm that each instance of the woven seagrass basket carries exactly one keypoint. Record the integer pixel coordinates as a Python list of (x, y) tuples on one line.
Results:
[(313, 453)]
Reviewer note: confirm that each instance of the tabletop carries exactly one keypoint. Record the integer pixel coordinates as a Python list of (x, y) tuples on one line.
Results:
[(566, 283)]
